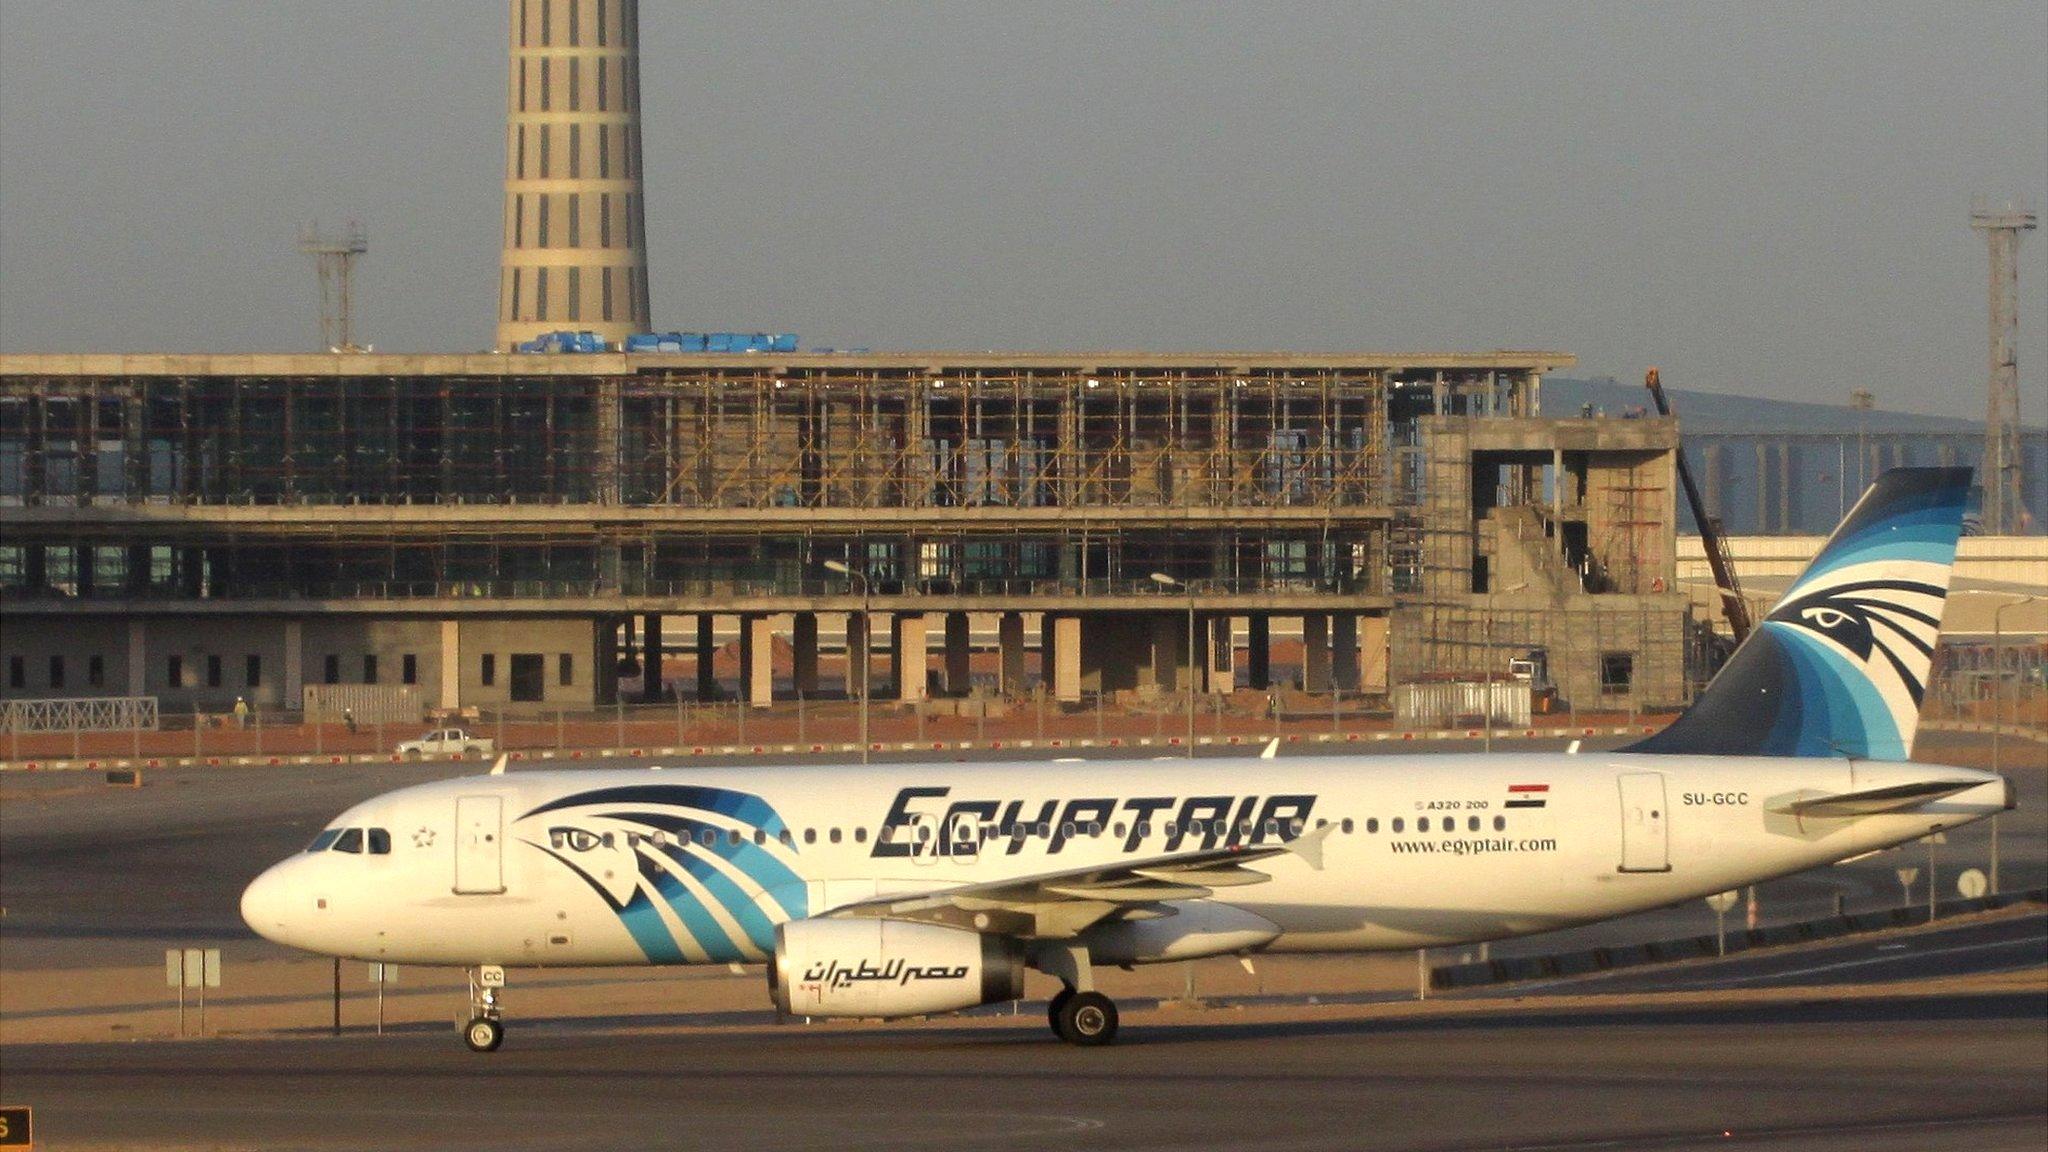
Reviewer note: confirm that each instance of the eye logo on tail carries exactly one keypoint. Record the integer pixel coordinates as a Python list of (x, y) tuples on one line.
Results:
[(1840, 665)]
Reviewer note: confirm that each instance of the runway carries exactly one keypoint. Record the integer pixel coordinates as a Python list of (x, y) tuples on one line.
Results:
[(1875, 1075)]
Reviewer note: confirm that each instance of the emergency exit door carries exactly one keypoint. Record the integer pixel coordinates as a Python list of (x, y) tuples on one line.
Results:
[(479, 845), (1645, 843)]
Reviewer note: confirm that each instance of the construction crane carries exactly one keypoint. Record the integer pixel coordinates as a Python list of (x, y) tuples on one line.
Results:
[(1733, 606)]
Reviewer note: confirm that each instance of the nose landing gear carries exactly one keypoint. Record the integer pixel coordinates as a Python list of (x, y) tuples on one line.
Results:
[(486, 1027)]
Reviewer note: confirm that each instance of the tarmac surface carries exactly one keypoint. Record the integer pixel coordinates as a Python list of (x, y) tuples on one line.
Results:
[(1870, 1075)]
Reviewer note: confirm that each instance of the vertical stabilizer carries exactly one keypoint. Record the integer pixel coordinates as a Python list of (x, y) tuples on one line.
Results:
[(1839, 666)]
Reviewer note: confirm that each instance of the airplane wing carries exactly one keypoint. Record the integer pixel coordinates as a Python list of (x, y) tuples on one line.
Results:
[(1056, 905)]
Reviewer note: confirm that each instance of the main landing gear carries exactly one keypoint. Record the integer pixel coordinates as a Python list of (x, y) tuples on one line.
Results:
[(486, 1027), (1078, 1014), (1086, 1019)]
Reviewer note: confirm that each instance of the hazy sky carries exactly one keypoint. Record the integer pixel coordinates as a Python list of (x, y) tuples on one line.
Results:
[(1766, 198)]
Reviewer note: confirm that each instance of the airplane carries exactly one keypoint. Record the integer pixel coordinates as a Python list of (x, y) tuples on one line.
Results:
[(914, 889)]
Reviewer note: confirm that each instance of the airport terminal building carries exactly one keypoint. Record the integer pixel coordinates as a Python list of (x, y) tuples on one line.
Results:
[(514, 531)]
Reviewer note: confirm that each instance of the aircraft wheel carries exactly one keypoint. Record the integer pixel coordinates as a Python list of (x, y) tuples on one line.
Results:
[(1053, 1008), (484, 1034), (1088, 1020)]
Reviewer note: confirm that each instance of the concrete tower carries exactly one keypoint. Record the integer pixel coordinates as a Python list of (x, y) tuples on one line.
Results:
[(575, 253), (2000, 474)]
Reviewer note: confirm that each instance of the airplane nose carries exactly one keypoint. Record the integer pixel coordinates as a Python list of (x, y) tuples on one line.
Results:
[(264, 905)]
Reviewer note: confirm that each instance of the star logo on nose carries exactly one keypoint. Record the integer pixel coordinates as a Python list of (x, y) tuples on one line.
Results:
[(424, 838)]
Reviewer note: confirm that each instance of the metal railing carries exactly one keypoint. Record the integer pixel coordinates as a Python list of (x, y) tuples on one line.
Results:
[(80, 714)]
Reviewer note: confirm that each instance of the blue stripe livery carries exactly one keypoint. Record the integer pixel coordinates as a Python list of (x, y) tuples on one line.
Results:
[(1840, 665)]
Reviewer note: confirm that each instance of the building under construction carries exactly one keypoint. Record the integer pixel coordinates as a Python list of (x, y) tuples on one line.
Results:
[(539, 530)]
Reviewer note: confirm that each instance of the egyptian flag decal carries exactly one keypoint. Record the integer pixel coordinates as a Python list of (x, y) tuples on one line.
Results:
[(1528, 795)]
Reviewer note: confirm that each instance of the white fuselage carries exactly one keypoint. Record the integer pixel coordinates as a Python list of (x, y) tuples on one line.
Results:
[(538, 869)]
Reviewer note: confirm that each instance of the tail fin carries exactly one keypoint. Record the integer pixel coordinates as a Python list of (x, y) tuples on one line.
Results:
[(1839, 666)]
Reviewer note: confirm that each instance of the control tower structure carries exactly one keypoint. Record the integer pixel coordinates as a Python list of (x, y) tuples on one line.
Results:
[(2002, 224), (575, 247)]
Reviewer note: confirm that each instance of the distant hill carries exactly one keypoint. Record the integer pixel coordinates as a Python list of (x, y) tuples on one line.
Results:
[(1718, 412)]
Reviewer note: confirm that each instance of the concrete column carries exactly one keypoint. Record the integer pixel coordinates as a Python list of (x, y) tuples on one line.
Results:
[(1220, 669), (295, 662), (959, 655), (1066, 657), (757, 659), (1763, 491), (707, 656), (1784, 487), (1315, 652), (451, 664), (1010, 642), (138, 657), (1259, 650), (804, 642), (857, 654), (1344, 650), (908, 656), (1372, 651), (1163, 638), (650, 657)]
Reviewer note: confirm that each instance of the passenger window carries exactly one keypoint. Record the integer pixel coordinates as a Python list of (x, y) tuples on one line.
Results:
[(810, 835), (1422, 825), (324, 840), (760, 837), (834, 836), (732, 837), (1372, 824), (1067, 830), (1472, 824), (605, 839), (1397, 823), (1296, 826), (785, 837), (860, 835), (380, 842), (708, 837), (1094, 828), (660, 839), (1345, 825), (350, 840), (1222, 827), (1145, 830), (1272, 827), (1117, 830), (1500, 823)]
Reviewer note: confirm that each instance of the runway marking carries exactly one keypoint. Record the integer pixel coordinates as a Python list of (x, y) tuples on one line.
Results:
[(1777, 1133), (1867, 961)]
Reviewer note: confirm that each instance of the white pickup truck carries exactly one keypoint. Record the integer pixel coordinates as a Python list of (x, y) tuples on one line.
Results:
[(445, 742)]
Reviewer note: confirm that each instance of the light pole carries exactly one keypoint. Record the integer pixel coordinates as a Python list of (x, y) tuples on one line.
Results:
[(866, 623), (1165, 581), (1998, 708)]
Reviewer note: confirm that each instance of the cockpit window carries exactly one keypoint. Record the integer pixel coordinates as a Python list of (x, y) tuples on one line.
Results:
[(324, 840), (351, 840), (380, 841)]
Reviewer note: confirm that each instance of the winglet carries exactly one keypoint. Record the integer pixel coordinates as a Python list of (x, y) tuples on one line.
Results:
[(1271, 750), (498, 769), (1309, 845)]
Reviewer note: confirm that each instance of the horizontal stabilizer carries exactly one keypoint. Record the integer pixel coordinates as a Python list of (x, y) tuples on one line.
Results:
[(1875, 801)]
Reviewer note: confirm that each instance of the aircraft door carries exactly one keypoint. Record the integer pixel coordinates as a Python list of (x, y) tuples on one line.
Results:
[(479, 845), (963, 837), (924, 834), (1645, 840)]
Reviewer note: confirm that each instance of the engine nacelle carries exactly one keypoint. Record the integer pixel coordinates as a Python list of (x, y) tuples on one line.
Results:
[(864, 967)]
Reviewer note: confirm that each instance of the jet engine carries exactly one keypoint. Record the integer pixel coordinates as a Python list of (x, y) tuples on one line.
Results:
[(873, 967)]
